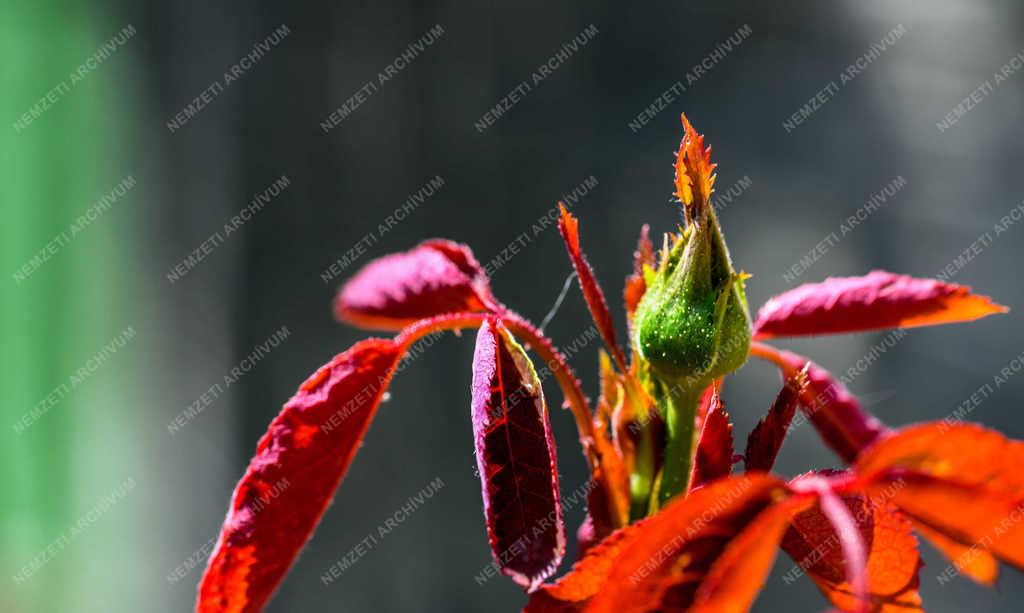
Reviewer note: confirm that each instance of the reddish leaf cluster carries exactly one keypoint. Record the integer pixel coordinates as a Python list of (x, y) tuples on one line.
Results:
[(709, 548)]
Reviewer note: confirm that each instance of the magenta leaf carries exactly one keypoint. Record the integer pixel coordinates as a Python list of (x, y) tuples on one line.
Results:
[(292, 477), (516, 456), (874, 301), (433, 278)]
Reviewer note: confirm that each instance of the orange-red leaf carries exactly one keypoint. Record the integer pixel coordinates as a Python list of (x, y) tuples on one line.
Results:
[(977, 564), (966, 453), (636, 286), (875, 301), (644, 253), (892, 561), (612, 392), (766, 438), (516, 456), (848, 536), (659, 563), (632, 293), (961, 480), (568, 226), (299, 461), (675, 548), (736, 577), (610, 471), (433, 278), (614, 456), (588, 575)]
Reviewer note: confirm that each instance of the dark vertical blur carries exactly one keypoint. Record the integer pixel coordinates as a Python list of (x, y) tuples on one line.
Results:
[(798, 185)]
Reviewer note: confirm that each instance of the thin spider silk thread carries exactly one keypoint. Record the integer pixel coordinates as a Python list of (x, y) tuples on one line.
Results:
[(558, 302)]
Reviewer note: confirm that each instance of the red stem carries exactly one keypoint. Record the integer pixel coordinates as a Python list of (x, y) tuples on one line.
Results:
[(538, 342)]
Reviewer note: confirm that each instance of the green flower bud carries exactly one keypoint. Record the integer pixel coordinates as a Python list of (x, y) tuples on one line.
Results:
[(693, 325)]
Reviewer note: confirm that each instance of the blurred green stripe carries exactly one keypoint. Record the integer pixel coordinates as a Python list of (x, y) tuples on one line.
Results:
[(62, 313)]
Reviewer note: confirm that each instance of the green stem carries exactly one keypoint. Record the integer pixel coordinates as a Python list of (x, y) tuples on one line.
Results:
[(641, 481), (680, 412)]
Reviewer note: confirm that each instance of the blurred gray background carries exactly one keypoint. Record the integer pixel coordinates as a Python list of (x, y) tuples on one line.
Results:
[(801, 184)]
